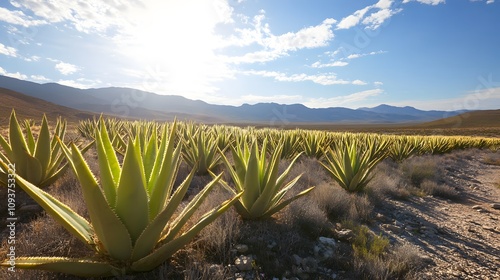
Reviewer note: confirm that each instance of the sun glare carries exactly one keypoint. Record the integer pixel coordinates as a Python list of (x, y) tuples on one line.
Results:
[(175, 39)]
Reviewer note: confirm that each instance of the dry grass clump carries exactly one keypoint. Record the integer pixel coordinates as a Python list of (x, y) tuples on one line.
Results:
[(418, 169), (374, 257), (492, 158), (340, 205), (440, 190)]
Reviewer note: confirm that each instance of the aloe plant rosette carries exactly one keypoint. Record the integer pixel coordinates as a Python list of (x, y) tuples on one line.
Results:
[(263, 188), (38, 161), (132, 225)]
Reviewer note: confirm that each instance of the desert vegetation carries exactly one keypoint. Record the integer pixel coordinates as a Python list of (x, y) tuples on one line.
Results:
[(190, 201)]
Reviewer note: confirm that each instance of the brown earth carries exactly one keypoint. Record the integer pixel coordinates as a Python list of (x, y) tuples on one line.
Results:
[(459, 239)]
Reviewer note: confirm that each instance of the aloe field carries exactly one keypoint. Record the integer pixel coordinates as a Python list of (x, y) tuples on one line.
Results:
[(139, 213)]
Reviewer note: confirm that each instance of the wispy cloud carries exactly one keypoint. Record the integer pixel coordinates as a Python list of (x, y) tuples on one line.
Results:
[(276, 46), (39, 78), (342, 61), (318, 64), (16, 75), (79, 83), (428, 2), (66, 68), (344, 101), (8, 51), (325, 79), (371, 20), (19, 18), (358, 55)]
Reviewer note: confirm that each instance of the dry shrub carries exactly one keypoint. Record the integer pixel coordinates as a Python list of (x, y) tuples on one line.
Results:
[(440, 190), (375, 258), (387, 182), (418, 169), (218, 238), (306, 215), (492, 158), (333, 200), (340, 205), (313, 174)]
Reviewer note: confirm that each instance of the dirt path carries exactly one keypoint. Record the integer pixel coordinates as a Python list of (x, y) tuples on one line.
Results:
[(459, 239)]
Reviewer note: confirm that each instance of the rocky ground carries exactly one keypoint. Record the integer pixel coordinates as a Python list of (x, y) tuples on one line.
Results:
[(460, 239)]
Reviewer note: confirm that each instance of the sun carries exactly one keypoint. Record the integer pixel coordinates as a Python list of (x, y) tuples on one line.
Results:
[(176, 39)]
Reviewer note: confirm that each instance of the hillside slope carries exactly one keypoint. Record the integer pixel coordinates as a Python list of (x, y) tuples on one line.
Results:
[(34, 108), (474, 119)]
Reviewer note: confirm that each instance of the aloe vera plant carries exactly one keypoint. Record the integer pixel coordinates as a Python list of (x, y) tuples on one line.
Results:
[(38, 161), (200, 152), (132, 225), (351, 164), (257, 177)]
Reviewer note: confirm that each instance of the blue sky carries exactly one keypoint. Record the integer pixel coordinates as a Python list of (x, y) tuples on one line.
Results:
[(430, 54)]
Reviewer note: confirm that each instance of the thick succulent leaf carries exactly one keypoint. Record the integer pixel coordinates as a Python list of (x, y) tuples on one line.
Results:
[(69, 219), (78, 267), (43, 149), (190, 209), (17, 141), (29, 135), (151, 235), (251, 184), (162, 180), (109, 229), (6, 147), (132, 192), (33, 171), (168, 249), (285, 203), (109, 183)]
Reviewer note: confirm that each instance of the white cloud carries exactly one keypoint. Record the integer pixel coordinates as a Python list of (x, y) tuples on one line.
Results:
[(66, 68), (344, 101), (318, 64), (358, 55), (8, 51), (324, 79), (428, 2), (280, 99), (490, 1), (353, 20), (39, 78), (373, 20), (18, 18), (276, 46), (79, 83), (377, 83), (16, 75)]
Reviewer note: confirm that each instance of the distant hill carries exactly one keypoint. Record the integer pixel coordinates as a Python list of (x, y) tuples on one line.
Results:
[(34, 108), (133, 103), (475, 119)]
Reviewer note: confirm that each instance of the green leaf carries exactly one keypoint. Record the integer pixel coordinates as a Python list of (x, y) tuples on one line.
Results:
[(131, 195), (109, 229), (43, 149)]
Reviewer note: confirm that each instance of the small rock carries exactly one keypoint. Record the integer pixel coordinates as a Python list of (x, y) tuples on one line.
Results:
[(297, 260), (327, 241), (495, 206), (393, 228), (476, 207), (241, 248), (244, 263), (344, 235), (489, 228), (309, 265)]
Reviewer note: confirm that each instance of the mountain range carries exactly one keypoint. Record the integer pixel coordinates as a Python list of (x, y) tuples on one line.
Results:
[(133, 103)]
